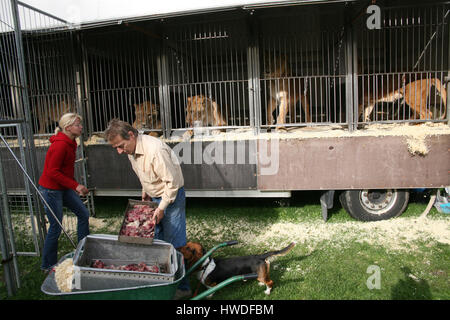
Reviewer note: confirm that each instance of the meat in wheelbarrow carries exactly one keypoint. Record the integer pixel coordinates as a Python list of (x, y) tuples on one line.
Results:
[(140, 267), (98, 264), (139, 222)]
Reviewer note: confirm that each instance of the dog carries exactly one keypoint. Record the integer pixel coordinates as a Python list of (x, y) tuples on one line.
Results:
[(49, 112), (214, 271), (192, 252), (284, 93), (205, 110), (147, 116), (414, 94)]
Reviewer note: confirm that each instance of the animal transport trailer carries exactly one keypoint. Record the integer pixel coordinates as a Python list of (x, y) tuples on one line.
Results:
[(372, 174)]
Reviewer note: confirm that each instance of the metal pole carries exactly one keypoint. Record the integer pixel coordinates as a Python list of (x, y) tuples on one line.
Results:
[(448, 79), (7, 257), (25, 111), (349, 84), (27, 188), (164, 96), (80, 99), (37, 190), (354, 110), (253, 75), (89, 120), (7, 220)]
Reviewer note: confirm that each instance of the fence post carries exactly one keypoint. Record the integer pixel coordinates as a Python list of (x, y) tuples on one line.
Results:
[(25, 112), (447, 81), (7, 257), (164, 95), (349, 83), (253, 75)]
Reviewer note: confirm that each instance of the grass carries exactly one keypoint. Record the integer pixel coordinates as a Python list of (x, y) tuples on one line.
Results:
[(331, 265)]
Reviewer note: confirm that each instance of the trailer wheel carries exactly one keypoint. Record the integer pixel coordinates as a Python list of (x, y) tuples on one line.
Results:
[(374, 205)]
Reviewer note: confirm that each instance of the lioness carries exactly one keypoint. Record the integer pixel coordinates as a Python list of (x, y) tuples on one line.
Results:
[(147, 116), (206, 110), (49, 112), (414, 94)]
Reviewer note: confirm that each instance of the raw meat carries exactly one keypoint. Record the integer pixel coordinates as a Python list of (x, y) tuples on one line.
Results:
[(141, 267), (139, 222)]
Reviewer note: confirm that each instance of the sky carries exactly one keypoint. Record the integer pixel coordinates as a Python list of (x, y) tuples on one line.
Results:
[(77, 11)]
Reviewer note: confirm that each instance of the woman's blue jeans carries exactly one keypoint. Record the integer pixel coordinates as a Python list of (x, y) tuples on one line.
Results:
[(172, 227), (56, 199)]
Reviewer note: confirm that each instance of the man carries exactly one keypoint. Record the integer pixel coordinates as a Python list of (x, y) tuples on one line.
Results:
[(162, 181)]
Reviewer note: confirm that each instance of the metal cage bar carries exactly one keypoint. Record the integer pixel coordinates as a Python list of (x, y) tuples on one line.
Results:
[(303, 73), (41, 85), (402, 65)]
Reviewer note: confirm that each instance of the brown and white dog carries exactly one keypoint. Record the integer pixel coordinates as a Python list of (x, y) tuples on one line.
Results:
[(147, 116), (205, 110), (49, 112), (283, 92), (414, 94), (214, 271), (192, 252)]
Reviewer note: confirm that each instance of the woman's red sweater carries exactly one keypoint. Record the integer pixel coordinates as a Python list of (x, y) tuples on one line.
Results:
[(59, 164)]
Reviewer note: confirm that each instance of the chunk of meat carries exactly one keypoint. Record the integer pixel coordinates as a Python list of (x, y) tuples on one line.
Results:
[(140, 267), (139, 222)]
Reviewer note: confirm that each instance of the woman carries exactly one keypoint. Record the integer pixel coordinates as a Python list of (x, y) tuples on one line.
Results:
[(59, 188)]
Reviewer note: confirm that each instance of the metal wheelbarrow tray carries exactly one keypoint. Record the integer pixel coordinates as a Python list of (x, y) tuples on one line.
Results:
[(159, 291), (108, 249)]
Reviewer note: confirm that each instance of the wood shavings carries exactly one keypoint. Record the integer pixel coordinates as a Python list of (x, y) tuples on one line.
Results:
[(64, 275), (417, 145), (95, 139), (399, 234), (417, 132)]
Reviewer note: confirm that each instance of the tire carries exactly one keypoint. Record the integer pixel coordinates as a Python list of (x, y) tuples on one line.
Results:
[(374, 205)]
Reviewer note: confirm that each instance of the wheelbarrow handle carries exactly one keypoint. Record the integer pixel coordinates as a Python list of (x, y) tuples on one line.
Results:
[(206, 255), (250, 276), (225, 283)]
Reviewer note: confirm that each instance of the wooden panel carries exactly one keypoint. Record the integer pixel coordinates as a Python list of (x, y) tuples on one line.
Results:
[(356, 163), (109, 170), (233, 166)]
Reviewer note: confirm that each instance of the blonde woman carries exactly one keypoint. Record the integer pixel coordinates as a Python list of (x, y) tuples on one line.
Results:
[(59, 188)]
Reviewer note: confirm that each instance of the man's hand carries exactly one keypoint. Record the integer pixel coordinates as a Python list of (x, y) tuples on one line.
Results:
[(145, 197), (82, 190), (158, 215)]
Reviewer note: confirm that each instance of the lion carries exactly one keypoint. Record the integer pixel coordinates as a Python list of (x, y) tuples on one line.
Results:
[(284, 93), (147, 116), (49, 112), (205, 110), (414, 94)]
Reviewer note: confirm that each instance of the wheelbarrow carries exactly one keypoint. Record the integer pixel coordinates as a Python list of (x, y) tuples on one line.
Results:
[(159, 291)]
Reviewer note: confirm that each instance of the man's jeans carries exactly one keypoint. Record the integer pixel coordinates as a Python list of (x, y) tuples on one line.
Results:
[(172, 227), (56, 199)]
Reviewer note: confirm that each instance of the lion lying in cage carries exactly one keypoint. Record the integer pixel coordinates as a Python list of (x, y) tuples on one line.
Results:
[(147, 116), (415, 94), (50, 112), (206, 111), (284, 93)]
